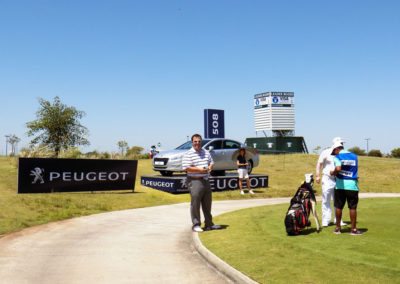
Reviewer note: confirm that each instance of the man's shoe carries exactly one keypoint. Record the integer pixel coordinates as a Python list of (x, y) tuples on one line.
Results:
[(337, 231), (197, 229), (325, 225), (213, 227), (251, 192), (356, 232), (341, 223), (241, 192)]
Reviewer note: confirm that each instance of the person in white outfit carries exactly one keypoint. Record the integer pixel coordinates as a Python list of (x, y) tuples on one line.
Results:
[(328, 183)]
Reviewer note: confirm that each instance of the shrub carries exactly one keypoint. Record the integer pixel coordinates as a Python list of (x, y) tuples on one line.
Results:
[(396, 153), (375, 153), (92, 155), (71, 153), (40, 151), (358, 151)]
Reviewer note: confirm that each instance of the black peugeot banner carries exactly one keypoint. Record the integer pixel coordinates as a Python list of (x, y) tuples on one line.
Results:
[(177, 184), (42, 175)]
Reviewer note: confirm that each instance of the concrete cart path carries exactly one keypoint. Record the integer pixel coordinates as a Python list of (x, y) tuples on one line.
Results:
[(148, 245)]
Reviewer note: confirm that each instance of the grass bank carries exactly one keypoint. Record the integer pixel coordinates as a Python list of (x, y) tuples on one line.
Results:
[(285, 173), (18, 211), (261, 249)]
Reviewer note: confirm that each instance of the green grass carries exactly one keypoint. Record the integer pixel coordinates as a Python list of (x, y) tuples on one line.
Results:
[(261, 249), (19, 211), (285, 172)]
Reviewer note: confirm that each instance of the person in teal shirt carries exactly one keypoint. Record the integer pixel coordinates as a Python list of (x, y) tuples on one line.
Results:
[(346, 173)]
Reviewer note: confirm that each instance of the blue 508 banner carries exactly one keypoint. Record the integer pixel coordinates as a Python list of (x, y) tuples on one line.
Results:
[(214, 123)]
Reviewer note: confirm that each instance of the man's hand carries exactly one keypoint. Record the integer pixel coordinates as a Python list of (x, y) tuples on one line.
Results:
[(317, 179)]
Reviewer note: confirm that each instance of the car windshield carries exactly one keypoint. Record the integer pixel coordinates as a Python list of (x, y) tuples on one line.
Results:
[(188, 145)]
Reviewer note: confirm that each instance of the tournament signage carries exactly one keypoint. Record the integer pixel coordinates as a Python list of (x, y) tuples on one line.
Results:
[(274, 111), (214, 124), (168, 184), (177, 184), (274, 99), (39, 175)]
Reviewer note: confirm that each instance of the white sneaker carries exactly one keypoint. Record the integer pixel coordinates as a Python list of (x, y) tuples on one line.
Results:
[(241, 192), (341, 223), (197, 229), (251, 192), (325, 225)]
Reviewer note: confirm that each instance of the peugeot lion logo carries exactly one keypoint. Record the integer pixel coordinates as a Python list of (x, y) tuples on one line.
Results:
[(37, 173), (183, 183)]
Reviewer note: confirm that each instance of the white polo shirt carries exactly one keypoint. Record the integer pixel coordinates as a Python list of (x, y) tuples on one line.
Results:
[(200, 159), (326, 159)]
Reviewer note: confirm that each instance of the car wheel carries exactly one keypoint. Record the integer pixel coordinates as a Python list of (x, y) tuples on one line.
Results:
[(166, 173), (250, 166)]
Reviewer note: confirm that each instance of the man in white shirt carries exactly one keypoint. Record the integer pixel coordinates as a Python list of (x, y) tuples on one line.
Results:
[(328, 183), (198, 163)]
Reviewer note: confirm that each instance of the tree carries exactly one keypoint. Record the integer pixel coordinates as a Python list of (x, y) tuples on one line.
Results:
[(122, 145), (375, 153), (316, 149), (134, 152), (358, 151), (13, 140), (395, 153), (57, 126)]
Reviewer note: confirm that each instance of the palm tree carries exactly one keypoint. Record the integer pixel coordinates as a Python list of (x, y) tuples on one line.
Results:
[(13, 140), (122, 145)]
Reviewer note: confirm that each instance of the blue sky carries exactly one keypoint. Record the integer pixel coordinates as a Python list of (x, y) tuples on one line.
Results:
[(144, 71)]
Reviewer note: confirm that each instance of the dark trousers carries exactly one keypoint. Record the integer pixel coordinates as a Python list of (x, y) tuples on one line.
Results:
[(201, 195)]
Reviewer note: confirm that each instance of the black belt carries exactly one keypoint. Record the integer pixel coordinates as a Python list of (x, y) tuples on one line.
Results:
[(196, 178)]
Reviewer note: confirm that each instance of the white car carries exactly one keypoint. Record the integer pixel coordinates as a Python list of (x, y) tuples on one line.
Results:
[(223, 151)]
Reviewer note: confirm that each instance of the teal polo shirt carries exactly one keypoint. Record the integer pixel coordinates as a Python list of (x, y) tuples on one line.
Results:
[(346, 184)]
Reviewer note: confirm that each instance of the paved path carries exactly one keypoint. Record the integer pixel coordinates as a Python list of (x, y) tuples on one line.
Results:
[(148, 245)]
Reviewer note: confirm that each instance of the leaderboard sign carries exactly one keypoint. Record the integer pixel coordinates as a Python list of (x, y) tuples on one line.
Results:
[(274, 99), (274, 111), (39, 175), (214, 123)]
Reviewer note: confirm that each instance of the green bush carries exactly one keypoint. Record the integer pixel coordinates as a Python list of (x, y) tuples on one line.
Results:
[(396, 153), (71, 153), (375, 153), (358, 151)]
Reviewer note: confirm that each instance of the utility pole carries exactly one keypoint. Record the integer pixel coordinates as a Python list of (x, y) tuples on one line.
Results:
[(367, 139)]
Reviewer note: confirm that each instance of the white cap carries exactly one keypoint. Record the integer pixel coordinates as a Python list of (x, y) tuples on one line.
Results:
[(337, 139), (337, 144)]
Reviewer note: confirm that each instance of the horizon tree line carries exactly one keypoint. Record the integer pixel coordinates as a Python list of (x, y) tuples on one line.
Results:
[(57, 129)]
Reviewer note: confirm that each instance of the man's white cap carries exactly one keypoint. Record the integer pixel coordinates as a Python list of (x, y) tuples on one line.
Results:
[(336, 145), (337, 139)]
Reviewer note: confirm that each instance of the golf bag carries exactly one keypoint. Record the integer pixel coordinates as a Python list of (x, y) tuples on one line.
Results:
[(298, 213)]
